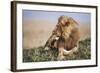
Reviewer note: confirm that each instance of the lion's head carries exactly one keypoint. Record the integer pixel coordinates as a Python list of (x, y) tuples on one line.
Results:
[(66, 32)]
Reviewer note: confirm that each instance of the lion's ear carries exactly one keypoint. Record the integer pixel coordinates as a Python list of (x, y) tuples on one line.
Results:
[(72, 21)]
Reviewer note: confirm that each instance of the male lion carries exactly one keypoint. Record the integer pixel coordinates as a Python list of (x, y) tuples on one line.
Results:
[(65, 36)]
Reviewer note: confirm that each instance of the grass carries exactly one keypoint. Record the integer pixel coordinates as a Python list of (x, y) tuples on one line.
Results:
[(40, 55)]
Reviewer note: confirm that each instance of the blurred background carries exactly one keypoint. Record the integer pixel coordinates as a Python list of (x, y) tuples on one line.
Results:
[(38, 26)]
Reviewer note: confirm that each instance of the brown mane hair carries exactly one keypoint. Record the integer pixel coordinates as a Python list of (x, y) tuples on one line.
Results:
[(67, 34), (70, 32)]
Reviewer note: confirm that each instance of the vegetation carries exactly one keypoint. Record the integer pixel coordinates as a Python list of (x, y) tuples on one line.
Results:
[(39, 54)]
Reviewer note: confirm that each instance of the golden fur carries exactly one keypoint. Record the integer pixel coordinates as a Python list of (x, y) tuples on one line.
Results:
[(67, 32)]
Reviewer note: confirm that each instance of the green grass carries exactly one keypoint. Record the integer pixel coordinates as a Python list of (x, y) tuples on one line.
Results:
[(39, 54)]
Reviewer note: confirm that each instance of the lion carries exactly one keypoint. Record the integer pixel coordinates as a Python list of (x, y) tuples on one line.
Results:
[(65, 37)]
